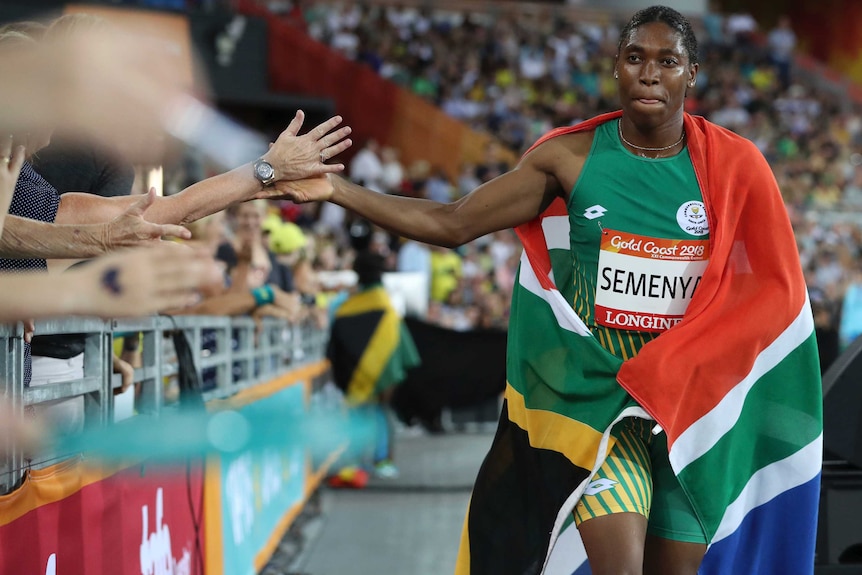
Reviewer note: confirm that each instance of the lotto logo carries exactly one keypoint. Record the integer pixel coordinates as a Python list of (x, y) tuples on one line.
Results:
[(594, 212), (599, 485)]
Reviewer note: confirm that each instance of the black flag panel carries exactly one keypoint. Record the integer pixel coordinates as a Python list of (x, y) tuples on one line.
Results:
[(458, 369)]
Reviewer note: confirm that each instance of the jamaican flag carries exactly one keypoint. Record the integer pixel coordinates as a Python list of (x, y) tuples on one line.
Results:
[(735, 385), (370, 349)]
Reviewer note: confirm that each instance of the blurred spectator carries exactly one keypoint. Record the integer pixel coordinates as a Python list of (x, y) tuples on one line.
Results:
[(366, 168), (287, 241), (503, 247), (492, 165), (74, 164), (368, 368), (741, 27), (467, 180), (445, 271), (714, 24), (209, 232), (342, 24), (851, 310), (248, 241), (393, 172), (415, 257), (852, 195), (782, 43), (308, 288), (797, 111), (732, 115), (437, 186), (332, 219)]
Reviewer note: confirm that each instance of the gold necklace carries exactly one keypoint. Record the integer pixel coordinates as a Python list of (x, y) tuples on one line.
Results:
[(643, 149)]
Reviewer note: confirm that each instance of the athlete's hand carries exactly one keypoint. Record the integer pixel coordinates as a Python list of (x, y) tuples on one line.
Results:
[(318, 189)]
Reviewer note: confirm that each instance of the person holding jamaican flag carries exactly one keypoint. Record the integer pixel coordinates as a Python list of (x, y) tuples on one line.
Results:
[(663, 407), (370, 350)]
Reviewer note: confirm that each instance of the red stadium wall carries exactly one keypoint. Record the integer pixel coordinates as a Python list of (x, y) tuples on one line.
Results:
[(831, 31), (373, 107), (299, 65), (828, 30)]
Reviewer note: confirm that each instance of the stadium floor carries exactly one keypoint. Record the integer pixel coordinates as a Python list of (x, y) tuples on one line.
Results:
[(411, 524)]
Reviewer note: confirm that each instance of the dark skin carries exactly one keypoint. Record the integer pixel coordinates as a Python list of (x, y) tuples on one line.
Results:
[(654, 73)]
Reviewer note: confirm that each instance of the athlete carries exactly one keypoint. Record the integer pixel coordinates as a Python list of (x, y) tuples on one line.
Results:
[(641, 241)]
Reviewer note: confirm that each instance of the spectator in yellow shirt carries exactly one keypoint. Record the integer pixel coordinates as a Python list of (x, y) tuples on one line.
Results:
[(445, 271)]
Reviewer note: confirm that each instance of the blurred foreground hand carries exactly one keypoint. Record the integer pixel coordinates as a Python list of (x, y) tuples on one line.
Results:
[(21, 434), (120, 85), (141, 281)]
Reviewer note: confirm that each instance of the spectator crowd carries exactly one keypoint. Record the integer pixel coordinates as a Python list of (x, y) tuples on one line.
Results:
[(518, 72), (513, 73)]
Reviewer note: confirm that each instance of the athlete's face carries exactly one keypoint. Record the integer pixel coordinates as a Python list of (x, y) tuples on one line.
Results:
[(654, 73)]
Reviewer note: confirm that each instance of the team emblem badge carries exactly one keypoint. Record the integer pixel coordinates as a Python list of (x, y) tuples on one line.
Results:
[(691, 217)]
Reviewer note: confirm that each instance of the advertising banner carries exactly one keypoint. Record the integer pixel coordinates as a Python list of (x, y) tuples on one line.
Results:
[(70, 519), (258, 486)]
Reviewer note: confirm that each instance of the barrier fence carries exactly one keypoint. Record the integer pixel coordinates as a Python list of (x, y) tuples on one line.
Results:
[(66, 513)]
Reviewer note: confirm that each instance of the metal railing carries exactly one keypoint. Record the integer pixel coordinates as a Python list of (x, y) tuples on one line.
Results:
[(230, 355)]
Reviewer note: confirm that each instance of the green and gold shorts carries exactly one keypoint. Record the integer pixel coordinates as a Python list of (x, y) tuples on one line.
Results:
[(637, 478)]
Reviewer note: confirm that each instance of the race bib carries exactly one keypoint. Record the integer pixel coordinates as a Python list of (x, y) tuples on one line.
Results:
[(646, 284)]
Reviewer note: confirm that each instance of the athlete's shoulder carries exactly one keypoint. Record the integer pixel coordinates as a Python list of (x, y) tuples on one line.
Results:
[(577, 138), (568, 143)]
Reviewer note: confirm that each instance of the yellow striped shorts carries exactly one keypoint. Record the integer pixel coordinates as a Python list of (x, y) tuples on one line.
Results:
[(637, 478)]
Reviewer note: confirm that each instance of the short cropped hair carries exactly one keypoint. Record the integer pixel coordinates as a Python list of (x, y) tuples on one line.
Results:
[(667, 16)]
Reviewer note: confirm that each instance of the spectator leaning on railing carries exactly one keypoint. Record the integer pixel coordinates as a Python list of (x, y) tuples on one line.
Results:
[(122, 217), (83, 165), (128, 283), (137, 282)]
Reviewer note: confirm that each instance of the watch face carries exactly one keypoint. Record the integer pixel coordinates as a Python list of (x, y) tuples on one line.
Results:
[(264, 171)]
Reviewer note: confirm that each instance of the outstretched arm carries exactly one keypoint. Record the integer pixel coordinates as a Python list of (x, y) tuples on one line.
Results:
[(507, 201), (131, 283), (238, 302), (199, 200), (504, 202), (292, 157), (26, 238)]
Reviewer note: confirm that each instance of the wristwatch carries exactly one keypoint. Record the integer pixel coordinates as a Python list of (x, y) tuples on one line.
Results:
[(264, 172)]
